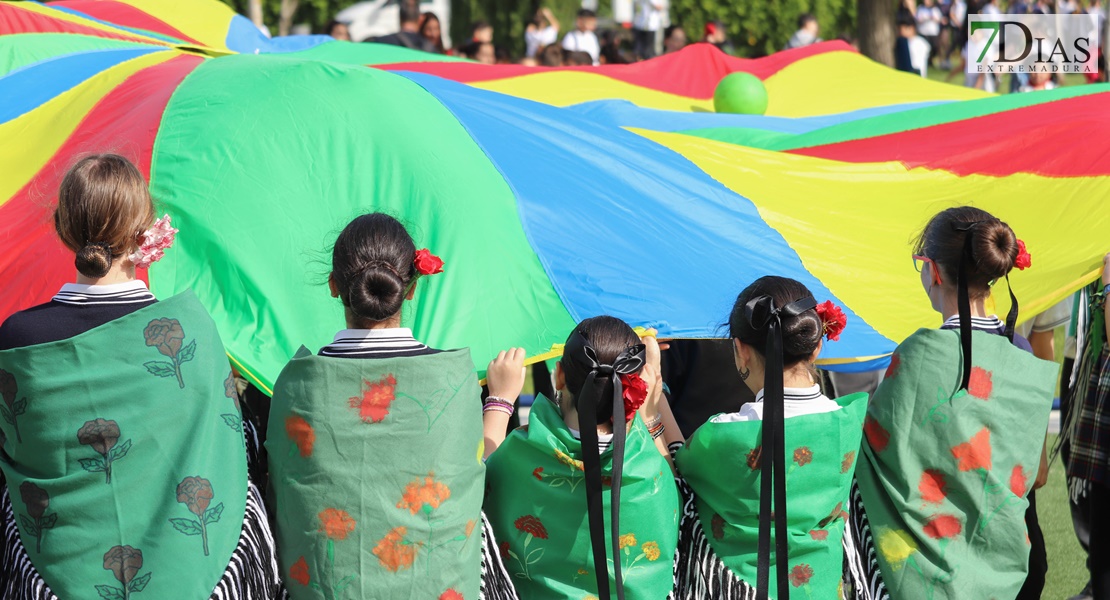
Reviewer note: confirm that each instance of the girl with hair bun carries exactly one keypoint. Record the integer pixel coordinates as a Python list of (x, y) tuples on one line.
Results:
[(783, 462), (376, 450), (123, 447), (583, 498), (947, 464)]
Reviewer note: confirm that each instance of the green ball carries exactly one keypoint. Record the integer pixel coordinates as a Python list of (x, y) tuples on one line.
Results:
[(740, 93)]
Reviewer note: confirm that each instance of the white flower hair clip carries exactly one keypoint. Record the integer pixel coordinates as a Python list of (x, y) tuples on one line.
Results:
[(153, 243)]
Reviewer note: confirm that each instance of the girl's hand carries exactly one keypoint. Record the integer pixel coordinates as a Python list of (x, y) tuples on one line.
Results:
[(505, 374), (1106, 270), (652, 375)]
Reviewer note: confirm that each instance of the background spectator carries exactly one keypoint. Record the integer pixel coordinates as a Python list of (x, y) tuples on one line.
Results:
[(409, 36), (551, 56), (716, 34), (646, 25), (674, 39), (911, 51), (806, 33), (542, 31), (432, 32), (612, 41), (337, 30), (482, 32), (584, 38), (577, 59), (929, 21), (483, 52)]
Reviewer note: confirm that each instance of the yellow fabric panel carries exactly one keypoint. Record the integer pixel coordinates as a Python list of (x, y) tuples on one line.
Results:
[(564, 88), (853, 225), (72, 18), (846, 81), (206, 22), (49, 125)]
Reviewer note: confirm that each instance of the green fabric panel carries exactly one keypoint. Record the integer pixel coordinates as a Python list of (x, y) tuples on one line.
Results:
[(127, 467), (327, 142), (377, 476), (722, 465), (741, 136), (929, 116), (370, 54), (536, 503), (22, 49), (945, 472)]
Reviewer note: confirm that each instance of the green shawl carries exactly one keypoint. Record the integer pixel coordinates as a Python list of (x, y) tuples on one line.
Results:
[(536, 503), (945, 472), (721, 463), (124, 455), (377, 476)]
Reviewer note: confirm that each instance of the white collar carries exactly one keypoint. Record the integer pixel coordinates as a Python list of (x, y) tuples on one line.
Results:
[(348, 335), (109, 288), (795, 394)]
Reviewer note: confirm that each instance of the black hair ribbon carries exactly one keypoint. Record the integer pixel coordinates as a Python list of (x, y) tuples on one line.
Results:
[(629, 361), (762, 313)]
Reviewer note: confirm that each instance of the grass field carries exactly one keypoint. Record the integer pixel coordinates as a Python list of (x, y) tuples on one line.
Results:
[(1067, 571)]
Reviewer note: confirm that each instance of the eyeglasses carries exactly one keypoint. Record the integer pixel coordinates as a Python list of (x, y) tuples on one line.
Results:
[(919, 263)]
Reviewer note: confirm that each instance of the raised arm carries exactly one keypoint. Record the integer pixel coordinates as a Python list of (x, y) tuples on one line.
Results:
[(656, 411), (505, 378)]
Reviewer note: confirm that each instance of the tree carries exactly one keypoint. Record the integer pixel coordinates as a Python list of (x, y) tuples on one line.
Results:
[(876, 30), (757, 27)]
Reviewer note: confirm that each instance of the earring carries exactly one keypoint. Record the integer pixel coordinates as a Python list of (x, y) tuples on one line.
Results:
[(745, 374)]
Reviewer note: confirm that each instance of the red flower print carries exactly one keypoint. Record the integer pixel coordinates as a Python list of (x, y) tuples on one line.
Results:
[(427, 263), (393, 552), (933, 487), (373, 404), (849, 460), (837, 512), (718, 526), (299, 572), (634, 390), (538, 473), (335, 523), (979, 385), (943, 527), (301, 433), (532, 525), (424, 495), (975, 454), (803, 456), (819, 534), (1018, 484), (504, 547), (1023, 260), (800, 575), (450, 595), (895, 362), (876, 434), (754, 458), (833, 320)]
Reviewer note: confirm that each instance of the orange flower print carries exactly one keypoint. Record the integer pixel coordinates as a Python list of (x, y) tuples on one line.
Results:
[(470, 527), (299, 572), (892, 370), (980, 385), (450, 595), (754, 458), (819, 534), (942, 526), (933, 486), (849, 460), (424, 495), (651, 551), (627, 540), (392, 551), (538, 473), (800, 575), (373, 404), (302, 434), (532, 525), (335, 523), (803, 456), (876, 434), (1018, 484), (975, 454)]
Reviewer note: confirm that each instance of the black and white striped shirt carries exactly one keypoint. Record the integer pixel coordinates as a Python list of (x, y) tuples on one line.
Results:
[(376, 343), (75, 309)]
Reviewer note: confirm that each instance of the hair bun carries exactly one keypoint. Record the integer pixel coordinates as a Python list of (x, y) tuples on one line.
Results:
[(376, 293), (994, 248), (94, 260)]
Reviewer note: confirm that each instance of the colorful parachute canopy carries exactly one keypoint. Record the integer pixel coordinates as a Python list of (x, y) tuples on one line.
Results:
[(594, 200)]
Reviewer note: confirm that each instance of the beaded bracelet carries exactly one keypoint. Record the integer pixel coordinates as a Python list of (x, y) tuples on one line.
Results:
[(655, 422), (657, 431), (498, 404)]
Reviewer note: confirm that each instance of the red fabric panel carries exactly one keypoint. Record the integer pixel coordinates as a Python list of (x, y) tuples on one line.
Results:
[(14, 19), (1065, 138), (125, 15), (34, 263), (692, 72)]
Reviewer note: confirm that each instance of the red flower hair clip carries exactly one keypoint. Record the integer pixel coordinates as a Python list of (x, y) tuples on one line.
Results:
[(1023, 260), (833, 320), (427, 263), (634, 392)]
